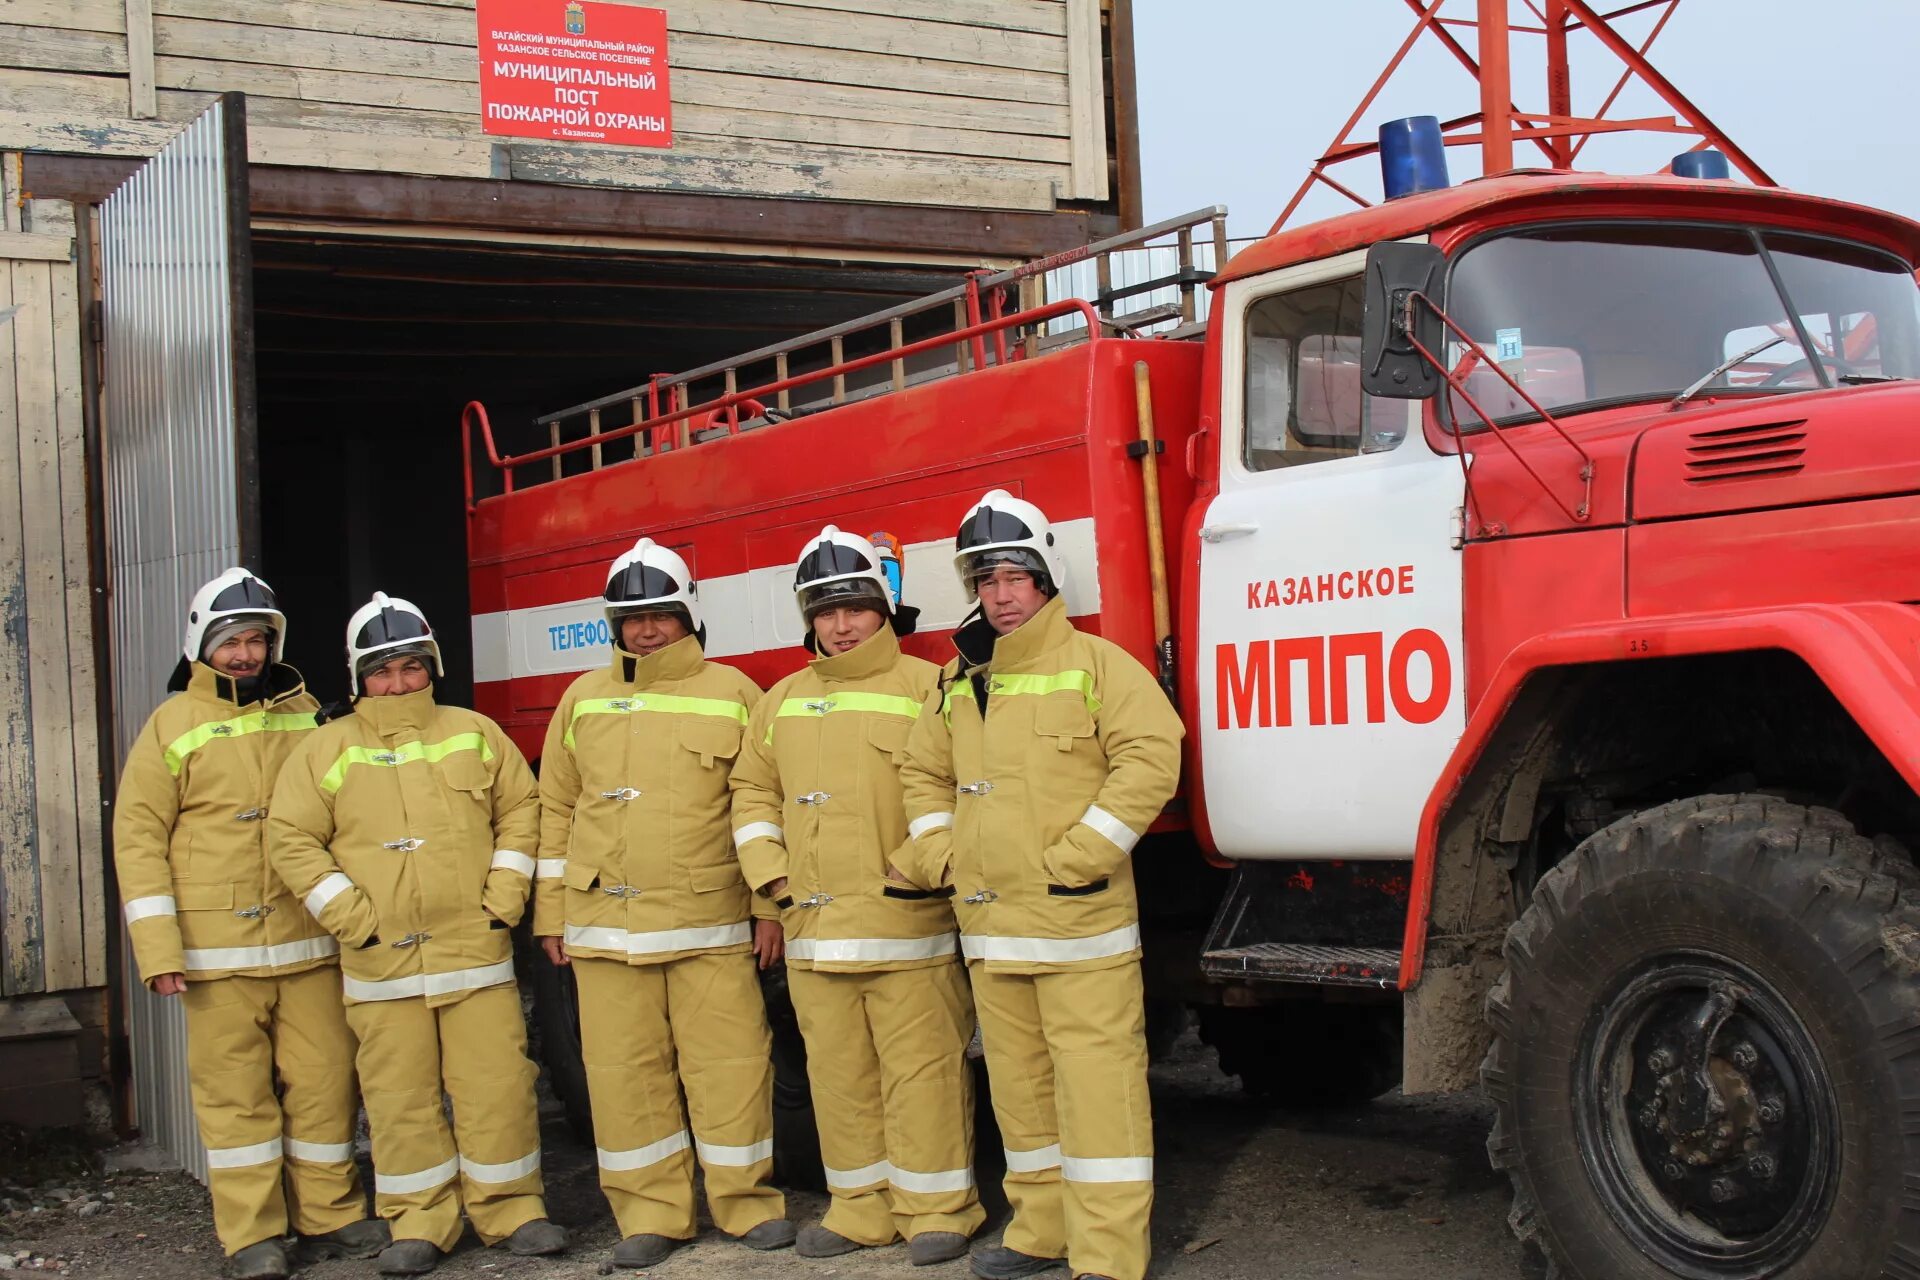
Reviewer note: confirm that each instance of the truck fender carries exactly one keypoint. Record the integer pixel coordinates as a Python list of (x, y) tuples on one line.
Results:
[(1867, 654)]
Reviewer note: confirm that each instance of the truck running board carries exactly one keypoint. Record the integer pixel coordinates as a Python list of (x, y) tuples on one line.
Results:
[(1300, 962)]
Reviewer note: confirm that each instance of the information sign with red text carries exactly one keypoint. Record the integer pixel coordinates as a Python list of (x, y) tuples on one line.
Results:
[(575, 71)]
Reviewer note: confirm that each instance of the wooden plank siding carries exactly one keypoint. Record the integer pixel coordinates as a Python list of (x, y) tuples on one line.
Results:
[(53, 908), (975, 103)]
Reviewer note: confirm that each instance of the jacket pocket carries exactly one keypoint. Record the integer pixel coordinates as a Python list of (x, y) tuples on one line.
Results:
[(464, 771), (1063, 718), (1079, 890), (889, 734), (712, 879), (710, 738), (202, 897), (580, 875)]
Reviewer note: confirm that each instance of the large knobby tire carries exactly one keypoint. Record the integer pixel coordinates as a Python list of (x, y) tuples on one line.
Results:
[(1308, 1055), (796, 1137), (1708, 1023)]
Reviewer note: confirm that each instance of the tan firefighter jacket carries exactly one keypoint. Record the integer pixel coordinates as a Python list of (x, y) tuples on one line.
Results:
[(635, 813), (190, 839), (409, 830), (816, 798), (1030, 808)]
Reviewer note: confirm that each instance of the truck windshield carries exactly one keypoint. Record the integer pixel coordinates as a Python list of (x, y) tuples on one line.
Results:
[(1584, 316)]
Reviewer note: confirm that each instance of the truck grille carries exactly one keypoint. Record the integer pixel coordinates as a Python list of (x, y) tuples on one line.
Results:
[(1750, 452)]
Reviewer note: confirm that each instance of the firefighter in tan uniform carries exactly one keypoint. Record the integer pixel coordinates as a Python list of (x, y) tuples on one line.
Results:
[(641, 893), (873, 965), (1051, 752), (211, 924), (408, 829)]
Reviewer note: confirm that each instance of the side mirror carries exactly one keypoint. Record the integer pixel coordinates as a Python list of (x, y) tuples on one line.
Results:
[(1390, 367)]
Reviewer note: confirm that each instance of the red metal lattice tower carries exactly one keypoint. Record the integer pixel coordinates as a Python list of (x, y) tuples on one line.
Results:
[(1557, 132)]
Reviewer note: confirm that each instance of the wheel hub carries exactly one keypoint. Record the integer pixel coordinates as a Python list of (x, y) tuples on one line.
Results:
[(1709, 1118)]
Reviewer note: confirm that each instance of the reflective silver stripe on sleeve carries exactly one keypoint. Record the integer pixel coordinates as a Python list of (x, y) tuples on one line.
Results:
[(511, 1171), (1037, 1160), (160, 904), (212, 958), (604, 938), (1107, 1169), (641, 1157), (318, 1152), (1122, 836), (859, 950), (331, 886), (733, 1157), (758, 831), (401, 1184), (550, 868), (929, 822), (512, 860), (243, 1157), (430, 984), (1050, 950)]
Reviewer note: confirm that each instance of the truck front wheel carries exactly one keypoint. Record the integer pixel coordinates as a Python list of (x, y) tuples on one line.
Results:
[(1702, 1044)]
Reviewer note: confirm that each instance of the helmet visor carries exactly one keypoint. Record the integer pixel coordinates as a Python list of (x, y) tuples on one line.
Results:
[(988, 526), (984, 564), (370, 662), (248, 593), (640, 582), (863, 592), (830, 559), (389, 625)]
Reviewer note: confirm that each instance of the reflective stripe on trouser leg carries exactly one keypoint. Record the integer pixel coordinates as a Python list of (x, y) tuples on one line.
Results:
[(1095, 1024), (496, 1119), (921, 1020), (720, 1029), (416, 1172), (644, 1150), (843, 1071), (313, 1049), (1020, 1073), (230, 1069)]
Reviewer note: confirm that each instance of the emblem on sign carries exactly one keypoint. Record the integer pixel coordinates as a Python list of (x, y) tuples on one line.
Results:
[(576, 19)]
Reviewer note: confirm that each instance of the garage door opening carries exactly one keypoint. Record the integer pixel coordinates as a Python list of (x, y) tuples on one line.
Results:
[(367, 349)]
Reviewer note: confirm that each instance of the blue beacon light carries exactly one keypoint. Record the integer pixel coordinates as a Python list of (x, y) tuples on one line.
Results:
[(1701, 164), (1413, 156)]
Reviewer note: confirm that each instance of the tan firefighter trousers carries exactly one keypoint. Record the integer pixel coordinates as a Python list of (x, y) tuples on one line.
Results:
[(1067, 1063), (475, 1050), (277, 1160), (887, 1059), (646, 1031)]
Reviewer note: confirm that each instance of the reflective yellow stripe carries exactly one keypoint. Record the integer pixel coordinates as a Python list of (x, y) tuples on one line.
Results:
[(1080, 682), (664, 703), (254, 722), (886, 704), (405, 753)]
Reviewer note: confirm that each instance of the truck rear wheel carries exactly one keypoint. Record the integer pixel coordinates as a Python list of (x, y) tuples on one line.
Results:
[(1714, 1004), (1307, 1054)]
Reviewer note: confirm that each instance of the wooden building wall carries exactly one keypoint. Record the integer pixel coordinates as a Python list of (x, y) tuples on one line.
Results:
[(993, 104), (53, 901)]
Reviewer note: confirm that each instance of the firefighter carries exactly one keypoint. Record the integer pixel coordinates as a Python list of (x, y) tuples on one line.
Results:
[(213, 926), (641, 893), (1028, 784), (408, 830), (872, 965)]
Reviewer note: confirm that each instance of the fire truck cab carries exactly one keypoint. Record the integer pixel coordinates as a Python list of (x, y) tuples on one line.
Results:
[(1539, 580)]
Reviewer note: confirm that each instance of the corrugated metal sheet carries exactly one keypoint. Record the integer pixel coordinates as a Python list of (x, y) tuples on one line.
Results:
[(171, 490)]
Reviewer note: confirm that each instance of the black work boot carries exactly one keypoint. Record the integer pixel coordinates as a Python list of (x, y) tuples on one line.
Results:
[(409, 1258), (636, 1253), (361, 1239), (818, 1242), (264, 1261), (931, 1247), (997, 1262), (774, 1233), (539, 1238)]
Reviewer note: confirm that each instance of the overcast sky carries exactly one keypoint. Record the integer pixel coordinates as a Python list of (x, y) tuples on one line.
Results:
[(1237, 97)]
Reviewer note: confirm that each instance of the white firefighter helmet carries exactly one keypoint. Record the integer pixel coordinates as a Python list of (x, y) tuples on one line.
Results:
[(651, 579), (1001, 529), (838, 568), (384, 628), (236, 596)]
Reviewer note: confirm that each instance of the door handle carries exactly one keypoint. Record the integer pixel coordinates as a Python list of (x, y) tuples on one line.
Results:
[(1231, 529)]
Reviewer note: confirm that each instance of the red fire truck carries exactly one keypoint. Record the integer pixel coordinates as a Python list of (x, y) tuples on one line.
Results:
[(1533, 562)]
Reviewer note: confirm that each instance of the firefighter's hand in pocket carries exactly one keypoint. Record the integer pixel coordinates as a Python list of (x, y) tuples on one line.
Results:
[(556, 949), (769, 943)]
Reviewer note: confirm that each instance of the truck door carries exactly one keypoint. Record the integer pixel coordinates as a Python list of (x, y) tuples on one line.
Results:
[(1329, 655)]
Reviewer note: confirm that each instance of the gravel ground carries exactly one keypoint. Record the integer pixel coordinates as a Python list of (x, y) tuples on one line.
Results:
[(1399, 1190)]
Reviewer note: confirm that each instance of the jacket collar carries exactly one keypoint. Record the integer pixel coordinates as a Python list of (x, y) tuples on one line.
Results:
[(677, 661), (980, 645), (397, 714), (876, 655), (280, 683)]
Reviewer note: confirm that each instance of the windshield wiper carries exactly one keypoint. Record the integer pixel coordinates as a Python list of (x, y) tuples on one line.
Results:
[(1722, 367), (1868, 379)]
